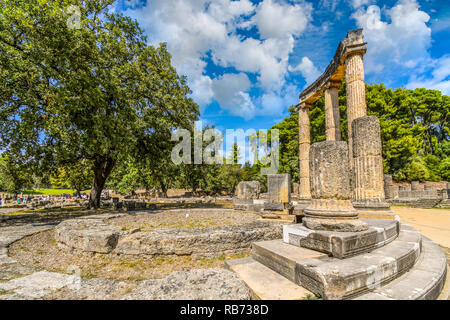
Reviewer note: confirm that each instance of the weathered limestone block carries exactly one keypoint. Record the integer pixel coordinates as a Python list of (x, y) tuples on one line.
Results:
[(343, 244), (274, 206), (242, 204), (91, 235), (199, 243), (331, 208), (295, 188), (246, 190), (428, 187), (279, 188), (415, 185), (197, 284)]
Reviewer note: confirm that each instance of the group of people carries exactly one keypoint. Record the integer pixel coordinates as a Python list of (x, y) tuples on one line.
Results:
[(24, 199)]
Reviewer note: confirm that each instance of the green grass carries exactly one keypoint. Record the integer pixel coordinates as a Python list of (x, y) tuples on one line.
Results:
[(52, 192)]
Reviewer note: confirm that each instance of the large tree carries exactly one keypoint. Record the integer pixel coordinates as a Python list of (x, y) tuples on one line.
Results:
[(94, 92)]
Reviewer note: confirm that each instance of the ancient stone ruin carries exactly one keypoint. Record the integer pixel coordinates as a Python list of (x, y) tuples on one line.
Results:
[(331, 207), (417, 194), (349, 244)]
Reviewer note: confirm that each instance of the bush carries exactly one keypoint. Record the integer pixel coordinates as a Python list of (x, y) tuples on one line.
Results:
[(417, 169), (444, 169)]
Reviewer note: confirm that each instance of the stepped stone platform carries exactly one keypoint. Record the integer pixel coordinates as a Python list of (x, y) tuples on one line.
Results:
[(407, 267), (343, 244)]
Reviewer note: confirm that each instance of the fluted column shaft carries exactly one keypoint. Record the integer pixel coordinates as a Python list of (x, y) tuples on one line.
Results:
[(356, 94), (332, 122), (368, 162), (304, 146)]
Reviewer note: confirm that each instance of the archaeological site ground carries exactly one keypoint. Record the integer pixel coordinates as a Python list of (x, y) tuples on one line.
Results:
[(95, 206)]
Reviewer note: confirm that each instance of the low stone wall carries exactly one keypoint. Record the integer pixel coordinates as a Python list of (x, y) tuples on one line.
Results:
[(417, 203), (197, 243), (416, 194), (444, 204), (93, 234)]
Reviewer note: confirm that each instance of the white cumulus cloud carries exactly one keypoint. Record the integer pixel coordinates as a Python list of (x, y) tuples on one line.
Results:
[(404, 41), (230, 91), (358, 3), (439, 78), (280, 20), (196, 30), (307, 69)]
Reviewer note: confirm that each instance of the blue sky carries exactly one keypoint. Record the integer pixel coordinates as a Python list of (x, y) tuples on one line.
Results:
[(247, 61)]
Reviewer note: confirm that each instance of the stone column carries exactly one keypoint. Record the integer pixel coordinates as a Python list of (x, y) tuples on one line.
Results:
[(332, 115), (331, 208), (415, 186), (368, 180), (388, 186), (304, 146), (356, 92)]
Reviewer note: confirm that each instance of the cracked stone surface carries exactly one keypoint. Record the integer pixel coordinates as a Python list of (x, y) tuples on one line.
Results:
[(36, 285), (95, 234), (9, 235), (19, 282), (201, 284)]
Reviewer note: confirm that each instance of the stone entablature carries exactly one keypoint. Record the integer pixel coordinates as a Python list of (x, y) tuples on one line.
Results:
[(335, 72)]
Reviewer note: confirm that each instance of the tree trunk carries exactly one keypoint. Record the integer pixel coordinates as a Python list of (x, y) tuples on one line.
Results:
[(163, 187), (102, 168)]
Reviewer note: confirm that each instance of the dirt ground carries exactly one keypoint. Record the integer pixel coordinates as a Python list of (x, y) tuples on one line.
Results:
[(41, 252), (184, 219), (432, 223)]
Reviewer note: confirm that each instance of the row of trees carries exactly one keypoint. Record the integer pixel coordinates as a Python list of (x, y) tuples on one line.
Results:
[(91, 104), (414, 130), (407, 151), (134, 174)]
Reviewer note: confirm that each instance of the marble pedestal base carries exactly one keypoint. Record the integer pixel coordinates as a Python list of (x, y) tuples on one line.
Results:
[(375, 210), (333, 215)]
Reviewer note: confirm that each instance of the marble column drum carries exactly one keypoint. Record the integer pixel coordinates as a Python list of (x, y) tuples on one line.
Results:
[(304, 146), (368, 193), (388, 186), (331, 208), (332, 115)]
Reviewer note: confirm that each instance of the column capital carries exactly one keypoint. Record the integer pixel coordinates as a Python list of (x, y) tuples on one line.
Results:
[(333, 84), (304, 105), (354, 49)]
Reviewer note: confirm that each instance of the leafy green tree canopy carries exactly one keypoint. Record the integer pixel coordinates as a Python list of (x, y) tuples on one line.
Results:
[(96, 92)]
